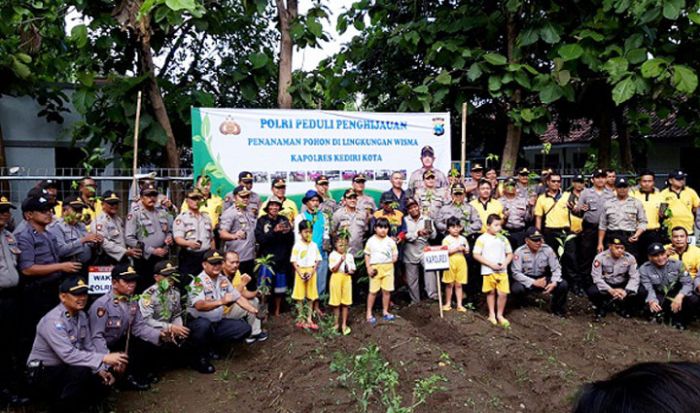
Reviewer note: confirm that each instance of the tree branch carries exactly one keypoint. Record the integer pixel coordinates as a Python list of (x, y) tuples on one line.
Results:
[(171, 53)]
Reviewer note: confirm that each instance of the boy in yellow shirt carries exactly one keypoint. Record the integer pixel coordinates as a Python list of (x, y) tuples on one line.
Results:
[(494, 253), (380, 255), (456, 276)]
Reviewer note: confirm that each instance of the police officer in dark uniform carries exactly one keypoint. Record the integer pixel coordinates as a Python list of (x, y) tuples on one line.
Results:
[(536, 268), (64, 364), (668, 287), (39, 266), (116, 324), (9, 302)]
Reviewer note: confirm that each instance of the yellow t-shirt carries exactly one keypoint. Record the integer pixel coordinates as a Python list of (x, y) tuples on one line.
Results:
[(236, 282), (492, 207), (681, 206), (557, 213), (214, 207), (651, 203), (691, 259), (93, 213)]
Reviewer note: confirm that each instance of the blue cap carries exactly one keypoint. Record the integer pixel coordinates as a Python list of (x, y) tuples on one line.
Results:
[(310, 194)]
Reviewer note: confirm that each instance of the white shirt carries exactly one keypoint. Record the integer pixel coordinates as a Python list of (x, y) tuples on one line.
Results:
[(381, 250), (493, 248), (346, 267), (305, 255)]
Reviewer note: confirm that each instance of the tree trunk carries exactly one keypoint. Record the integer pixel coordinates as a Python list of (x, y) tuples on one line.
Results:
[(513, 132), (157, 104), (286, 15), (623, 135), (4, 185)]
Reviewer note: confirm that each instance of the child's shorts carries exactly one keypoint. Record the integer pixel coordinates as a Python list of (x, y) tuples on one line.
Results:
[(305, 289), (496, 281), (457, 273), (341, 289), (277, 281), (384, 280)]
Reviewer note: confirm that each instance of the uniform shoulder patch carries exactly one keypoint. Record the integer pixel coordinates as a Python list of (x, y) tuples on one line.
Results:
[(596, 263), (516, 257), (59, 326), (98, 227), (101, 311)]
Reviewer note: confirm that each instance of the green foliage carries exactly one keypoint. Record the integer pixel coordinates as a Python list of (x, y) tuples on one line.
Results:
[(371, 379)]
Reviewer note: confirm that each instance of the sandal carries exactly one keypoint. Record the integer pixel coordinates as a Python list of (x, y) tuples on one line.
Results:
[(504, 323), (461, 309), (389, 317), (300, 325), (372, 321), (493, 321), (347, 331), (446, 308), (312, 326)]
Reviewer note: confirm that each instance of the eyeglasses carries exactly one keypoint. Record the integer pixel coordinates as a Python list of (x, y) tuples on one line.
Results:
[(555, 181), (536, 240)]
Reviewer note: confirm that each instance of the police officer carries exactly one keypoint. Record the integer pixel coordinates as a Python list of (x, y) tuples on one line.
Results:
[(668, 288), (193, 232), (111, 227), (73, 240), (149, 229), (459, 208), (651, 200), (523, 188), (427, 158), (92, 206), (589, 206), (210, 294), (39, 266), (536, 268), (211, 204), (623, 218), (682, 200), (237, 230), (353, 220), (115, 319), (516, 212), (430, 197), (64, 364), (9, 303), (615, 280), (328, 205), (245, 179), (364, 202), (471, 184), (161, 308)]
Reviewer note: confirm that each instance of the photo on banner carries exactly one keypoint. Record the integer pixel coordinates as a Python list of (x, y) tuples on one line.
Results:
[(300, 145)]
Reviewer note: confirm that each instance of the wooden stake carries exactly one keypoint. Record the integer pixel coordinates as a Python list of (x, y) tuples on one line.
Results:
[(136, 142), (439, 291), (464, 139)]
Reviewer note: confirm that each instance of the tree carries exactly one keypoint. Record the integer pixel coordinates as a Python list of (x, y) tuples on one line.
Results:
[(287, 14)]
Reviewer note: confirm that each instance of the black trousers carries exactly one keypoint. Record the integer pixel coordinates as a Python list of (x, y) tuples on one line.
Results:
[(631, 247), (516, 237), (138, 356), (68, 388), (206, 334), (10, 361), (603, 301), (189, 264), (144, 267), (588, 249), (558, 304), (689, 307), (37, 299), (647, 238), (248, 267)]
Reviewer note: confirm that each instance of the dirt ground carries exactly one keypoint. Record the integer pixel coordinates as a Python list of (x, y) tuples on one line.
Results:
[(536, 366)]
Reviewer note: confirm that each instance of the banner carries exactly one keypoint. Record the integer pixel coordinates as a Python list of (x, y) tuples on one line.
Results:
[(299, 145), (100, 280)]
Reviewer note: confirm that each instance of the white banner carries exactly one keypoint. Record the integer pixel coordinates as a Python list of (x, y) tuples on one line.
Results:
[(299, 145), (436, 258), (100, 280)]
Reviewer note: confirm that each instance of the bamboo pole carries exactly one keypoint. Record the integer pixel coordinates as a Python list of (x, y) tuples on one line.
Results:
[(464, 140), (137, 125)]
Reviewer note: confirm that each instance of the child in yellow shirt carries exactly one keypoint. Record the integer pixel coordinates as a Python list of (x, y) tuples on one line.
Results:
[(456, 276), (342, 265), (305, 258)]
